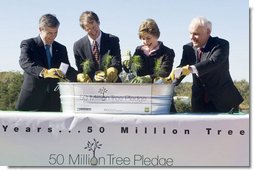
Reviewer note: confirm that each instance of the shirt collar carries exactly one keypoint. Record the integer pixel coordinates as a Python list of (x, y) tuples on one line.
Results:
[(201, 48), (45, 43), (98, 39)]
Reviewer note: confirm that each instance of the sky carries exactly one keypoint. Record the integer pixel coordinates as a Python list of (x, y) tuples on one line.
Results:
[(230, 20)]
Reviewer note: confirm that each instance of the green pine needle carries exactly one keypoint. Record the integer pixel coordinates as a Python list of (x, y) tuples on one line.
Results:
[(107, 58), (136, 63), (87, 65), (157, 67)]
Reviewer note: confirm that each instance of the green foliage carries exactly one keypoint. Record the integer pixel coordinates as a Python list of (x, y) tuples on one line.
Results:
[(10, 83), (184, 89), (107, 58), (136, 64), (182, 107), (157, 68), (244, 89), (87, 65)]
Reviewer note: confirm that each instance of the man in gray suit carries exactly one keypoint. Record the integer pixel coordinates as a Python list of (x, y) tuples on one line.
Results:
[(207, 58), (93, 47), (40, 59)]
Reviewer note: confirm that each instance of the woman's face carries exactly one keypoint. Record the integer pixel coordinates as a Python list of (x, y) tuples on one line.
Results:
[(149, 40)]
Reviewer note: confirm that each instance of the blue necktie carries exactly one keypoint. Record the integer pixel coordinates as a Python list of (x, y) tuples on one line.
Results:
[(48, 55)]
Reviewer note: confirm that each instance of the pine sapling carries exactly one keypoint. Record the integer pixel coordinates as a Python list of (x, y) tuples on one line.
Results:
[(87, 65), (136, 64), (107, 58)]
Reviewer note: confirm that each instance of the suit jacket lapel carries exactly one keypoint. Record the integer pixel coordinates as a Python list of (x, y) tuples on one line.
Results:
[(41, 50), (196, 54), (207, 49), (103, 48), (87, 50), (55, 54)]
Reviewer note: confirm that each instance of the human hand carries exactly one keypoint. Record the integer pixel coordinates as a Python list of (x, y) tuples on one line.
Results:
[(126, 64), (126, 59), (84, 78), (185, 70), (100, 76), (142, 79), (175, 74), (111, 74), (52, 73)]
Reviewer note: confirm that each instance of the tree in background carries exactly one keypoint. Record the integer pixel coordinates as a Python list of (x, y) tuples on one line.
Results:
[(10, 84), (184, 89), (244, 89)]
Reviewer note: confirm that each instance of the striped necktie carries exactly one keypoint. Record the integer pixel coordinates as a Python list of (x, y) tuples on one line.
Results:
[(95, 51)]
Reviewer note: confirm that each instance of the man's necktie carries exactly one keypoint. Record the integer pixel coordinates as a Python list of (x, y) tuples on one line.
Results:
[(48, 55), (95, 51), (199, 54)]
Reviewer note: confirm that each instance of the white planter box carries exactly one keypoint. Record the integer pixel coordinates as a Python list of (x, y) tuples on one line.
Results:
[(116, 98)]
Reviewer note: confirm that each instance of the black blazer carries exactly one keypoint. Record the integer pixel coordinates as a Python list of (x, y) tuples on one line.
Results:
[(213, 76), (35, 89), (164, 54), (82, 51)]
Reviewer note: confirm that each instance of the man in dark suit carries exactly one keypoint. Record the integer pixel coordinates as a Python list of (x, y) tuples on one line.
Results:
[(206, 57), (93, 47), (40, 59)]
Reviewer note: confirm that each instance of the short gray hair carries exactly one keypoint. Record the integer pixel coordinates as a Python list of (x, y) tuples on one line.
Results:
[(48, 20), (202, 21)]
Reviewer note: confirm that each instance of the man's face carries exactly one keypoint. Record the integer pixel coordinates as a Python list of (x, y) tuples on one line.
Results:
[(48, 34), (199, 35), (92, 29)]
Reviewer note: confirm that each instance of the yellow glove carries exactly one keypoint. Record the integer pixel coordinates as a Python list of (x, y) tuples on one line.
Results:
[(111, 74), (84, 78), (175, 74), (100, 76), (185, 70), (171, 75), (52, 73)]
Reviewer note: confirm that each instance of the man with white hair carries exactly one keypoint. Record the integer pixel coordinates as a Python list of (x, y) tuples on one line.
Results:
[(207, 58)]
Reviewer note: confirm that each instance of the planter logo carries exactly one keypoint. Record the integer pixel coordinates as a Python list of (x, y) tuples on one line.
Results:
[(93, 146), (104, 95), (103, 91)]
